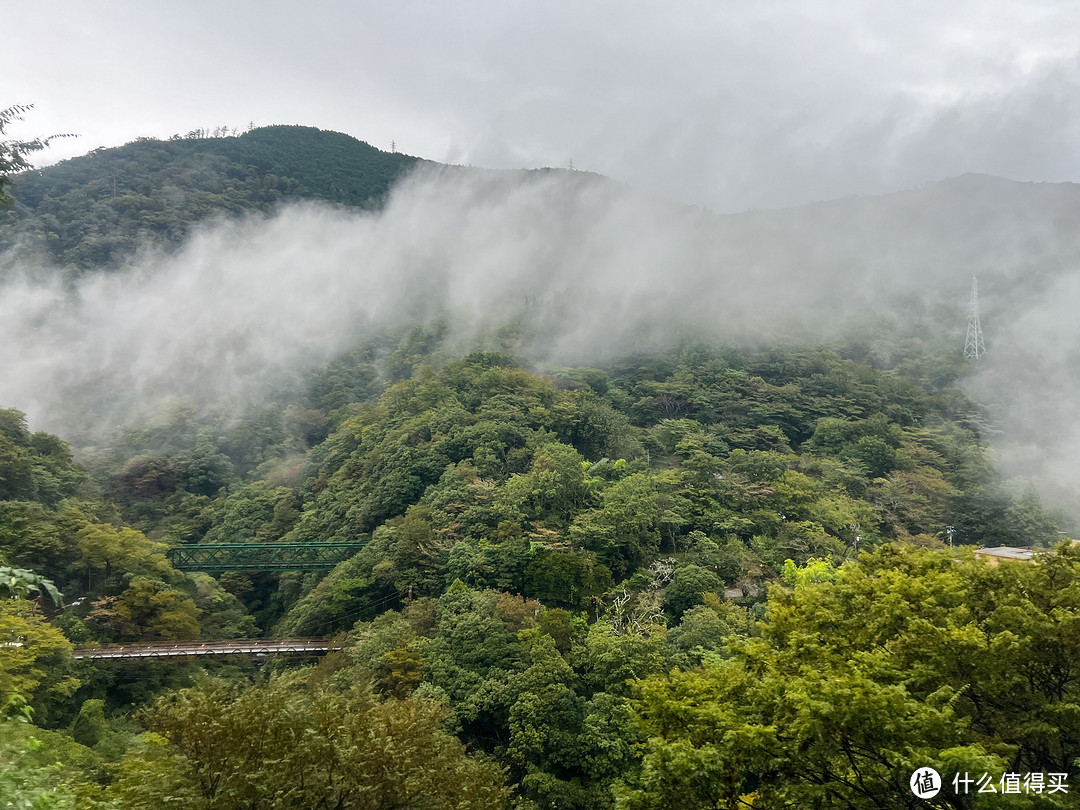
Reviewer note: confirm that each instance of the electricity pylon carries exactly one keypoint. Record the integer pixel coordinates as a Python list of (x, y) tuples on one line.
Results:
[(973, 343)]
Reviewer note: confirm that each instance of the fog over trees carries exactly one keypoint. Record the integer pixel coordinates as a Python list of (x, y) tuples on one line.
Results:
[(661, 507)]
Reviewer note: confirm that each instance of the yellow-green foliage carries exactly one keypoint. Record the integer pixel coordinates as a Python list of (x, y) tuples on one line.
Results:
[(35, 658), (908, 658), (286, 745)]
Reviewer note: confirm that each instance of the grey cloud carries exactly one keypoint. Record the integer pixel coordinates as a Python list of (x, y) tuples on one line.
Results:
[(734, 105), (587, 270)]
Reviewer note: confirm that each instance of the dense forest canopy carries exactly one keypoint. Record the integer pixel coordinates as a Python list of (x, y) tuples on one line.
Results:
[(96, 211), (694, 572)]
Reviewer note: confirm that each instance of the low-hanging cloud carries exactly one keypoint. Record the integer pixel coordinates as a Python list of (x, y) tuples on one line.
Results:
[(246, 305), (583, 268), (730, 105), (1029, 383)]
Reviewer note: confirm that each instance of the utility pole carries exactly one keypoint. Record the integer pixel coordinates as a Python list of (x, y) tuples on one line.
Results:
[(973, 343)]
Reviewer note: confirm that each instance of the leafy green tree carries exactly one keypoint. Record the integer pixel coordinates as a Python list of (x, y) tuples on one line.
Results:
[(16, 471), (14, 154), (221, 615), (30, 538), (812, 571), (703, 632), (19, 583), (560, 625), (38, 514), (42, 769), (148, 609), (545, 718), (126, 552), (565, 579), (254, 512), (207, 469), (553, 489), (90, 726), (871, 442), (600, 430), (384, 654), (688, 588), (284, 745), (610, 660), (35, 660), (625, 531), (471, 632), (913, 501), (908, 658)]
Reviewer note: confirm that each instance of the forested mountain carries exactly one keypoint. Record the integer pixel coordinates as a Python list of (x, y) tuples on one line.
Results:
[(687, 570), (94, 211)]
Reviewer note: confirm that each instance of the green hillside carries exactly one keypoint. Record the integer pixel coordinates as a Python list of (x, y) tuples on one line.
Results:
[(693, 573), (556, 565), (96, 210)]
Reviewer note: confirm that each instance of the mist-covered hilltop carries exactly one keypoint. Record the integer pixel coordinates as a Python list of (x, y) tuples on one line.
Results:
[(248, 261), (98, 210), (95, 211)]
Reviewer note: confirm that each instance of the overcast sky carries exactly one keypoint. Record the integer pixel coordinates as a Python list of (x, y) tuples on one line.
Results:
[(731, 104)]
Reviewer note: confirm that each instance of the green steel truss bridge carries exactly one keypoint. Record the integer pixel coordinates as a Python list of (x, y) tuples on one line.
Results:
[(261, 556)]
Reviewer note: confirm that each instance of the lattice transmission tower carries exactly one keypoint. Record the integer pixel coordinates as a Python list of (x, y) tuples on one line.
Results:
[(973, 343)]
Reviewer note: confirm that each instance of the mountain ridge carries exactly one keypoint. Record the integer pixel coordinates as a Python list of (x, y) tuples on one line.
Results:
[(97, 210)]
